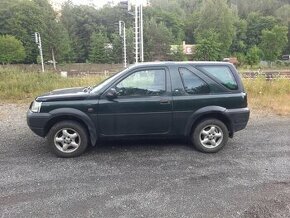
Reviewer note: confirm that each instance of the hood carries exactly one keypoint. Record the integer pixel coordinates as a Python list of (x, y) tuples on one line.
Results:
[(77, 93)]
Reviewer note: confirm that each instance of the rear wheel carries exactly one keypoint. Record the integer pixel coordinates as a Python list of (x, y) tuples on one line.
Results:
[(68, 139), (210, 135)]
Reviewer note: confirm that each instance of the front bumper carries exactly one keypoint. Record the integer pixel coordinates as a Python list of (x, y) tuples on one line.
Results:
[(37, 122), (239, 118)]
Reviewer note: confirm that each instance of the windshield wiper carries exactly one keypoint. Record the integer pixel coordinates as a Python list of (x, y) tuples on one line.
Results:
[(87, 89)]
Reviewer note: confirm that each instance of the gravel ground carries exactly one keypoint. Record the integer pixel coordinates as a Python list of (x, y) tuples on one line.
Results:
[(250, 177)]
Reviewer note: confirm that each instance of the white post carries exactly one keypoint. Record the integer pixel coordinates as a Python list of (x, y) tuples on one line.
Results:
[(141, 33), (122, 33), (53, 59), (125, 47), (124, 43), (136, 33), (120, 28), (40, 51)]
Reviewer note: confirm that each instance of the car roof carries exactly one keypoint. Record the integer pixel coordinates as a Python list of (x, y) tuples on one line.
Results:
[(168, 63)]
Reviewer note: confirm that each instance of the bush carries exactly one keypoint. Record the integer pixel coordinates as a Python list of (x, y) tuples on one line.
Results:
[(253, 56), (12, 50)]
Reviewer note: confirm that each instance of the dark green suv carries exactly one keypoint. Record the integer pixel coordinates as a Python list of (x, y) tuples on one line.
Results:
[(204, 101)]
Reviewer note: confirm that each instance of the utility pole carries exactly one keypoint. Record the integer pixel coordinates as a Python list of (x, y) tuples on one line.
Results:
[(38, 42), (141, 33), (122, 33), (138, 23), (53, 59), (136, 34), (139, 44)]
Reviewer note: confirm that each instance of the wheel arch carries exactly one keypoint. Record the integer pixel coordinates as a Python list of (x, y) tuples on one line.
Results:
[(212, 112), (63, 114)]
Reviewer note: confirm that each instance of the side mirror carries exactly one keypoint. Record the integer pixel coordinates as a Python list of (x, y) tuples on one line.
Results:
[(112, 94)]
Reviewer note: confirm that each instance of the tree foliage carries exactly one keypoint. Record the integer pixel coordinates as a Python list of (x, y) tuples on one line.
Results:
[(157, 38), (253, 56), (208, 47), (178, 54), (12, 50), (100, 51), (239, 44), (21, 18), (264, 7), (217, 16), (117, 54), (225, 27), (273, 42), (256, 24)]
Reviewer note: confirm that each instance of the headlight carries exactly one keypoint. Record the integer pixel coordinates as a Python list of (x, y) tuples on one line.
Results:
[(35, 107)]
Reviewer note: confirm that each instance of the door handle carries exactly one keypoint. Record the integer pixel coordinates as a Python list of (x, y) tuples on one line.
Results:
[(164, 101)]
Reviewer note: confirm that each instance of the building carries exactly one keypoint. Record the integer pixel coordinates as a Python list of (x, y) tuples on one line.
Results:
[(188, 49)]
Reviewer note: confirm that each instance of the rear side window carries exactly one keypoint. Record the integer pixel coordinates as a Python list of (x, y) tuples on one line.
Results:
[(193, 85), (223, 74)]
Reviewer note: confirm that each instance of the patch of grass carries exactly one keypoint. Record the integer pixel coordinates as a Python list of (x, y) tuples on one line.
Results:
[(19, 86), (269, 96)]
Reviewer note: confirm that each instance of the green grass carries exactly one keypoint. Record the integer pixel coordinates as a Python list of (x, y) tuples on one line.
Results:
[(19, 86), (260, 86), (269, 96)]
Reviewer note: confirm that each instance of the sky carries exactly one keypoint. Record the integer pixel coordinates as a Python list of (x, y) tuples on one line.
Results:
[(98, 3)]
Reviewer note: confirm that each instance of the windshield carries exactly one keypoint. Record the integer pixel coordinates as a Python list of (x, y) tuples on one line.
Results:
[(98, 87)]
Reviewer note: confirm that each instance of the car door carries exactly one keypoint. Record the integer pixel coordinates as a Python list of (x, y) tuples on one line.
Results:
[(143, 104)]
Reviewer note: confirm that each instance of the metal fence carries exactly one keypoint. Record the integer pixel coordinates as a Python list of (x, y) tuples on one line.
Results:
[(268, 75)]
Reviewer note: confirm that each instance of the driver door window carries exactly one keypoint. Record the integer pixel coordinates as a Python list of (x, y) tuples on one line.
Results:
[(143, 83)]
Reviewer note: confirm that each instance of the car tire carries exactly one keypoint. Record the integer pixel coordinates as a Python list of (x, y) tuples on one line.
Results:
[(67, 139), (210, 135)]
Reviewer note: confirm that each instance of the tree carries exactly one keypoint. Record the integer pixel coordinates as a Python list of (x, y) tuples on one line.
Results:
[(253, 56), (80, 22), (189, 6), (117, 53), (283, 14), (264, 7), (12, 50), (217, 16), (157, 38), (69, 32), (99, 49), (256, 24), (171, 19), (21, 18), (208, 47), (62, 44), (239, 42), (170, 6), (273, 42), (55, 37), (130, 45), (178, 54)]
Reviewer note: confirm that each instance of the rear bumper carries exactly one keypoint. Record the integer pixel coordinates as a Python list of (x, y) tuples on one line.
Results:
[(37, 122), (239, 118)]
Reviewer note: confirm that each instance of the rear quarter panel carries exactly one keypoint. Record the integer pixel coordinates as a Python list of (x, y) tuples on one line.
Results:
[(186, 107)]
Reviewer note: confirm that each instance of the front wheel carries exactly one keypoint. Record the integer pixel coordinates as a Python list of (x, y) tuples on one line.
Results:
[(68, 139), (210, 136)]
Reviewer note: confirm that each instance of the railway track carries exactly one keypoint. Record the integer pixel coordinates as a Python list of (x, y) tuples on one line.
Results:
[(269, 75)]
